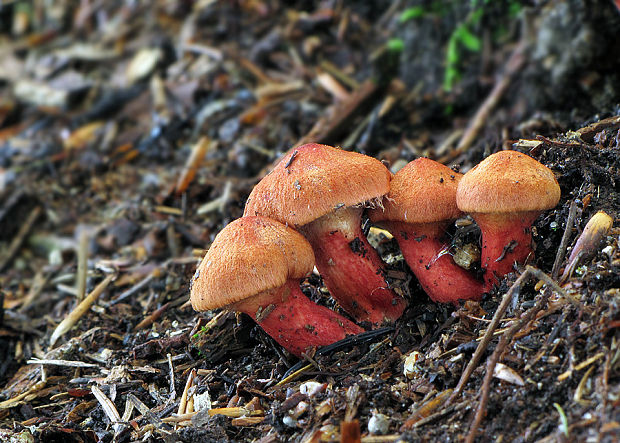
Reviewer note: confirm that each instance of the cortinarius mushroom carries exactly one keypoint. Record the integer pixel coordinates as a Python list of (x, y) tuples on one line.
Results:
[(504, 194), (417, 211), (321, 191), (254, 266)]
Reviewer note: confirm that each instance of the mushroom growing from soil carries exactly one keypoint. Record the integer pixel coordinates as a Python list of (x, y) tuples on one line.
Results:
[(418, 209), (254, 266), (322, 191), (504, 194)]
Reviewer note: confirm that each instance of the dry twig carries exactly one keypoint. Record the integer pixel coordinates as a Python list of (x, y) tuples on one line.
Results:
[(80, 310), (20, 237), (488, 335), (82, 268), (514, 64), (559, 258), (504, 342)]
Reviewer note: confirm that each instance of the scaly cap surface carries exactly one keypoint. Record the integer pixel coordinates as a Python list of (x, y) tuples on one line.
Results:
[(423, 191), (249, 256), (508, 181), (314, 180)]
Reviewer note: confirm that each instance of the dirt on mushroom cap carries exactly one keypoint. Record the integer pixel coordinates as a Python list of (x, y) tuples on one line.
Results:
[(250, 255), (315, 179)]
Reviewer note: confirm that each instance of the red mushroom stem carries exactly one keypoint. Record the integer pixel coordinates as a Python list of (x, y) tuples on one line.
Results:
[(351, 267), (293, 320), (442, 279), (506, 239)]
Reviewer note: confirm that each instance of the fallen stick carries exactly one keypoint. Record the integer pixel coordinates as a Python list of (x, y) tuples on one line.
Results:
[(504, 342), (79, 310), (20, 237), (559, 258), (514, 64), (488, 335)]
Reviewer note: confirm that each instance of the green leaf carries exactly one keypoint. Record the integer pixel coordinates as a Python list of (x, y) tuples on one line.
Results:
[(395, 45), (452, 52), (469, 40), (514, 9), (411, 13), (451, 74), (563, 420)]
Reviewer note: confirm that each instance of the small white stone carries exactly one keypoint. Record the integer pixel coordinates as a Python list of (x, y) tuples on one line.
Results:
[(290, 421), (202, 401), (55, 257), (379, 424), (311, 388)]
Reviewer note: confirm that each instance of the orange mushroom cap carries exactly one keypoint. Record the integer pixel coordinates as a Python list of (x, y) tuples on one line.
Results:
[(314, 180), (249, 256), (423, 191), (508, 181)]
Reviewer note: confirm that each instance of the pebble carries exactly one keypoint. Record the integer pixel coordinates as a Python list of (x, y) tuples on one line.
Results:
[(379, 424)]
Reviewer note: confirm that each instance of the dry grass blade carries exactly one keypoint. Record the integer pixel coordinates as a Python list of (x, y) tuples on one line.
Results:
[(294, 375), (108, 408), (234, 412), (331, 85), (146, 412), (217, 204), (381, 438), (184, 396), (39, 282), (135, 288), (128, 411), (80, 310), (11, 402), (426, 409), (247, 421), (550, 282), (82, 268), (193, 164), (67, 363), (151, 318), (580, 366), (173, 389), (338, 117)]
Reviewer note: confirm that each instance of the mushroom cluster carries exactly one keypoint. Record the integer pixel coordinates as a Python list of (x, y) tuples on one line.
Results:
[(308, 211)]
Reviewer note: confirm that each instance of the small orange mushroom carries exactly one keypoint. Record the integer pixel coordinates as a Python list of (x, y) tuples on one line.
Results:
[(505, 193), (254, 266), (417, 211)]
